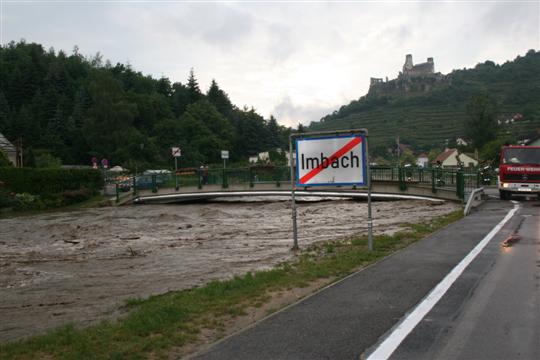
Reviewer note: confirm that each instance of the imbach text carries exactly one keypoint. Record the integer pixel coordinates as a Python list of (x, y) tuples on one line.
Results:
[(346, 161)]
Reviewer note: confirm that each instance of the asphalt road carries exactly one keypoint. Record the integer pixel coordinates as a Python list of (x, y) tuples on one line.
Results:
[(349, 319), (493, 310)]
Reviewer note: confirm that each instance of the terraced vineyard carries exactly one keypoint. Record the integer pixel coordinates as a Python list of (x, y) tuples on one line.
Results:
[(426, 120)]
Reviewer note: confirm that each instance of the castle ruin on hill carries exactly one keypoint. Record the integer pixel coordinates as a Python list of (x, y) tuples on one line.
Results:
[(413, 78)]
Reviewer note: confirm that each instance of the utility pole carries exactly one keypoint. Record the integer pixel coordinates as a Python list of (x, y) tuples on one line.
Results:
[(19, 153), (398, 149)]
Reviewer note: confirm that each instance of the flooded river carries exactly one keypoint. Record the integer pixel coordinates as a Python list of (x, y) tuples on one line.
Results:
[(80, 266)]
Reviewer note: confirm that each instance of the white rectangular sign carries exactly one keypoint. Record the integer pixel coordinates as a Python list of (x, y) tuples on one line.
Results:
[(176, 152), (337, 160), (224, 154)]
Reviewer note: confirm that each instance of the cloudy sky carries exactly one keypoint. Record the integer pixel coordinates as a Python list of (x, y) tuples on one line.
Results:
[(297, 60)]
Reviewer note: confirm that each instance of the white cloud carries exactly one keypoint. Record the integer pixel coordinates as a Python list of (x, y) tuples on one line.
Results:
[(296, 60), (292, 114)]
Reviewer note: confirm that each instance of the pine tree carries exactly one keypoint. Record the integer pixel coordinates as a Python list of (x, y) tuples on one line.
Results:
[(273, 129), (194, 92), (163, 86), (180, 98), (219, 99)]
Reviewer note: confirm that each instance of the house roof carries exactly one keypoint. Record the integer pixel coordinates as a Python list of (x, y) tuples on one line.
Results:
[(5, 145), (422, 155), (444, 155)]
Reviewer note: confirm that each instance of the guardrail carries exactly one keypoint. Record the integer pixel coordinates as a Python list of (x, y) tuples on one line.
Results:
[(471, 198), (461, 181)]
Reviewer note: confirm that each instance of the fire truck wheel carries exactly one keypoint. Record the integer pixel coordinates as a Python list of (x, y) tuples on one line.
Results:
[(504, 195)]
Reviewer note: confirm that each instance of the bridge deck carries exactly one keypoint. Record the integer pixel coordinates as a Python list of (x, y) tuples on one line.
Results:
[(380, 190)]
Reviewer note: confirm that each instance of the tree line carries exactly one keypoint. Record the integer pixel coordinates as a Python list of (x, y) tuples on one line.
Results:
[(70, 108)]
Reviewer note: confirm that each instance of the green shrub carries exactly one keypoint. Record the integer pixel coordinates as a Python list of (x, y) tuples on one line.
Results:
[(48, 161), (75, 196), (26, 201), (7, 199), (47, 182), (4, 161)]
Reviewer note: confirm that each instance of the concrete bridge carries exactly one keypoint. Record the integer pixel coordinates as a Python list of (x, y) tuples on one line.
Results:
[(387, 183)]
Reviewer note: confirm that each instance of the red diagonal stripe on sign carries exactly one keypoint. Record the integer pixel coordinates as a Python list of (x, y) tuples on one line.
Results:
[(348, 146)]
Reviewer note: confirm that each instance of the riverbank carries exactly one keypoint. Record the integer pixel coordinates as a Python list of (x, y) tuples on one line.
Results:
[(91, 261)]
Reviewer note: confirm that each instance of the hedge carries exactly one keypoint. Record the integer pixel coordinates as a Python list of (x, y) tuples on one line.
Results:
[(50, 181)]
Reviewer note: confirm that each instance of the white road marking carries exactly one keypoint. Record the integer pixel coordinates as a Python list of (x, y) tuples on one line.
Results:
[(391, 343)]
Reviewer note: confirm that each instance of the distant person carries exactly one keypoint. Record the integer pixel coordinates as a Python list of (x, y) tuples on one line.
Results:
[(204, 174)]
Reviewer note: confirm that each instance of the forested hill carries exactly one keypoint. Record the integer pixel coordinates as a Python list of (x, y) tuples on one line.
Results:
[(70, 108), (425, 120)]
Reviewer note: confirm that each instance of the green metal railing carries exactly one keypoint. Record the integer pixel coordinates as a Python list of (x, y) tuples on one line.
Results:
[(462, 181)]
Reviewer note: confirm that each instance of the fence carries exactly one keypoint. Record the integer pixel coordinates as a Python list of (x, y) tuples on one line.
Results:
[(463, 181)]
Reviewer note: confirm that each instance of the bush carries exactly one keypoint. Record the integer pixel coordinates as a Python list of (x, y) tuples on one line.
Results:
[(26, 201), (47, 160), (4, 161), (35, 189), (75, 196), (46, 182), (7, 200)]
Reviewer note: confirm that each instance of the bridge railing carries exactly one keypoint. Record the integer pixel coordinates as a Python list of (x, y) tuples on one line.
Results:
[(462, 181)]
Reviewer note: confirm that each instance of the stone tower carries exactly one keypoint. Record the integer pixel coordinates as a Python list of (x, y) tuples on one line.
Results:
[(408, 63), (419, 70)]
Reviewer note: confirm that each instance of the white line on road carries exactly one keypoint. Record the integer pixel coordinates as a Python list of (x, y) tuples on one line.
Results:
[(391, 343)]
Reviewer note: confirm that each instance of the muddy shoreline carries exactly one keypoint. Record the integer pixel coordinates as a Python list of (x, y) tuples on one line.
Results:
[(80, 266)]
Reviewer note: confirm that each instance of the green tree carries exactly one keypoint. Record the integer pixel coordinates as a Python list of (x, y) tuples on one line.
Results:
[(4, 161), (490, 152), (407, 157), (274, 132), (432, 155), (194, 92), (219, 99), (4, 113), (180, 98), (163, 86), (109, 118), (252, 134), (47, 160), (73, 108), (482, 125)]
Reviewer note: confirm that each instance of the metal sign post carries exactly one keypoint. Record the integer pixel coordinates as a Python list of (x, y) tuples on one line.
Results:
[(176, 153), (370, 218), (176, 187), (224, 156), (330, 158), (293, 199)]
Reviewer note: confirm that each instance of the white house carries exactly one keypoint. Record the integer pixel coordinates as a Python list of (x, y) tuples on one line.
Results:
[(264, 156), (9, 149), (422, 160), (461, 142), (288, 157), (452, 158), (253, 159)]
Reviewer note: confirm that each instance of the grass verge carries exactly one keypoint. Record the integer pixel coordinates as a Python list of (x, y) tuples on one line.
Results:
[(158, 324)]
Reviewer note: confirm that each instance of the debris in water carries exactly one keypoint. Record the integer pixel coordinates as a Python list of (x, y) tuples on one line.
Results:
[(130, 238), (71, 241)]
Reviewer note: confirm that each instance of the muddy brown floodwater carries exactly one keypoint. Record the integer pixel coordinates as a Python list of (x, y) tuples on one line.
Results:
[(80, 266)]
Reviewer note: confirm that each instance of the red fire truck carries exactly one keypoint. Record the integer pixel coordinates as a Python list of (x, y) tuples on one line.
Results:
[(519, 171)]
